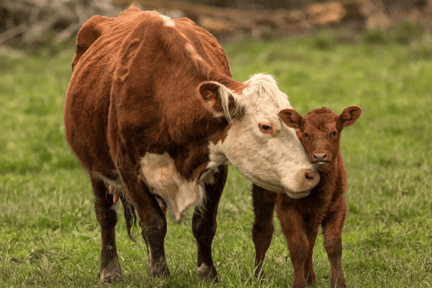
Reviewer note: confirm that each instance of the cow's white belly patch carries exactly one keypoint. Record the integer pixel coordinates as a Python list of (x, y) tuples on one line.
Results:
[(163, 179)]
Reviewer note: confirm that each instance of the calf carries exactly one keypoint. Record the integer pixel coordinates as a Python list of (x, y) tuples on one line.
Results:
[(153, 114), (319, 131)]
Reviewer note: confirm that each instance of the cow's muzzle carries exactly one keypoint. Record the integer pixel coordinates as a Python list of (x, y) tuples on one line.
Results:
[(307, 179)]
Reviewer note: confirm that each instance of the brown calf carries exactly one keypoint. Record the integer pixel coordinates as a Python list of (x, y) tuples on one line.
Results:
[(319, 131)]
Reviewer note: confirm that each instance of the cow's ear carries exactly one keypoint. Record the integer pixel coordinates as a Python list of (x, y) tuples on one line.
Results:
[(221, 100), (291, 118), (350, 115)]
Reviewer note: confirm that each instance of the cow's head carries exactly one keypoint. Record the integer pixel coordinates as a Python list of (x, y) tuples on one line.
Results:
[(320, 131), (257, 142)]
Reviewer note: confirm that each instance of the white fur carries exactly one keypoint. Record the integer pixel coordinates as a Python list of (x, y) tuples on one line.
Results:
[(217, 155), (167, 21), (109, 182), (149, 253), (215, 113), (224, 94), (191, 50), (275, 162), (208, 176), (203, 269), (163, 179)]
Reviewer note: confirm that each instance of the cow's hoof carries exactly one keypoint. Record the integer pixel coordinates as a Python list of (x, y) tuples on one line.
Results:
[(110, 272), (107, 276), (205, 272), (160, 272)]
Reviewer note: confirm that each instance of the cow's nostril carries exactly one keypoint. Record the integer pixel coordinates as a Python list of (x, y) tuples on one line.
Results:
[(310, 176)]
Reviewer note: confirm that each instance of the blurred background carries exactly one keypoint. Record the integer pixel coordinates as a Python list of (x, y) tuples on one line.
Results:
[(28, 24)]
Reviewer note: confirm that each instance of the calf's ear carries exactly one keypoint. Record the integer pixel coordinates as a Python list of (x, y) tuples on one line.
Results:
[(350, 115), (291, 118), (220, 100)]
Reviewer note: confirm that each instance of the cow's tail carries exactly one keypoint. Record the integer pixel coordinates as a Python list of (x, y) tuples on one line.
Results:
[(130, 215)]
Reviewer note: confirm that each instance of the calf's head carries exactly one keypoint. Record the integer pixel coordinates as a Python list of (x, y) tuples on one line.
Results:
[(320, 131), (257, 143)]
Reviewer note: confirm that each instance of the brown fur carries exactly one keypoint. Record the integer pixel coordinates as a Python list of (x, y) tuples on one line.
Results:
[(319, 131), (135, 89)]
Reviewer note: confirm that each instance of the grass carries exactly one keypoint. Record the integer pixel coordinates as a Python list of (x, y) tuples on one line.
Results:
[(49, 236)]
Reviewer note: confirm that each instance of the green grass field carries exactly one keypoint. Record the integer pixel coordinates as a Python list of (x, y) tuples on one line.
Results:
[(49, 236)]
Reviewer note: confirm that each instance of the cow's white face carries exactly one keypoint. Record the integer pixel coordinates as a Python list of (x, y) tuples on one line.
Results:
[(260, 145)]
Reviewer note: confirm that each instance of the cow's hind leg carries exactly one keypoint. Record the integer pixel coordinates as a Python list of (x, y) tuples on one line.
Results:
[(106, 214), (262, 231), (204, 225)]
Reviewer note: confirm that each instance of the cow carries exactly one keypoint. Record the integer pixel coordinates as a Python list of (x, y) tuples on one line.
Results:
[(320, 133), (155, 118)]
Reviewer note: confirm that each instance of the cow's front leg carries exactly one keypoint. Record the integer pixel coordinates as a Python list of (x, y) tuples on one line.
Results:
[(106, 214), (154, 228), (204, 225), (152, 221)]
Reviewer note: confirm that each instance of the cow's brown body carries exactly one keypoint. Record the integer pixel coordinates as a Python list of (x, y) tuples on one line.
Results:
[(319, 131), (119, 107)]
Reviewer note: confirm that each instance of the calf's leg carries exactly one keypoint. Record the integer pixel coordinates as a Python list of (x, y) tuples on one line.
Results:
[(332, 230), (308, 268), (298, 243), (262, 230), (204, 225), (106, 214)]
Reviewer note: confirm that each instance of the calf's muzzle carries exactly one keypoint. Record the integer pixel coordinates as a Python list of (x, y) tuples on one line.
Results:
[(320, 156)]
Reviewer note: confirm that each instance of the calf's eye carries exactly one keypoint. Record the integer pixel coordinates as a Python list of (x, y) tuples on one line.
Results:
[(334, 133), (266, 127), (306, 135)]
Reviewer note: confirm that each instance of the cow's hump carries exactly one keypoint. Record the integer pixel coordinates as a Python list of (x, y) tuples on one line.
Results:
[(88, 34)]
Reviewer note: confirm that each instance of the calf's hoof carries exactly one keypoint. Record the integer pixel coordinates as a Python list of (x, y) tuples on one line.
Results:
[(340, 285), (205, 272)]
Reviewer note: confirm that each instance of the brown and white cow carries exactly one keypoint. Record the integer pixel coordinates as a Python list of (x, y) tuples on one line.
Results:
[(152, 111), (320, 133)]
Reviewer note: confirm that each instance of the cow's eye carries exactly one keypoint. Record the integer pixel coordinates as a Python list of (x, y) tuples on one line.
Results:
[(306, 135), (266, 127), (334, 133)]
